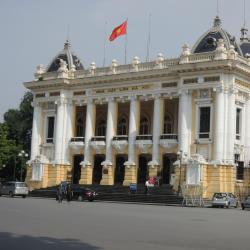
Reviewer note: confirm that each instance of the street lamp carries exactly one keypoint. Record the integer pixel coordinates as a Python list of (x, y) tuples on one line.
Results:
[(179, 156), (22, 154)]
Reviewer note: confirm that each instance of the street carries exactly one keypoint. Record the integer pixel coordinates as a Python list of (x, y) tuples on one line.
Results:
[(34, 223)]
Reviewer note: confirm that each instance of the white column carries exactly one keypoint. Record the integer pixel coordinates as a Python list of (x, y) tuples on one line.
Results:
[(219, 125), (111, 130), (247, 132), (60, 123), (231, 123), (133, 129), (69, 130), (157, 129), (185, 117), (89, 131), (36, 131)]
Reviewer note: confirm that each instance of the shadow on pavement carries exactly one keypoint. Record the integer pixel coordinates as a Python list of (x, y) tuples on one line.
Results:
[(9, 241)]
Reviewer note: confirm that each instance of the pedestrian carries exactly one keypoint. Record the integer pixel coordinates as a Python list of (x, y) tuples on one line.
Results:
[(146, 187), (60, 193), (68, 192)]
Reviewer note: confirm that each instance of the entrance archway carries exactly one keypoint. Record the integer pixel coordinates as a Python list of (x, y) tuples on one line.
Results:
[(168, 169), (76, 170), (97, 171), (142, 173), (120, 168)]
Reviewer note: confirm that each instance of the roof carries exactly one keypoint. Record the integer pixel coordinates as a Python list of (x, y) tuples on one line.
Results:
[(208, 41), (72, 61)]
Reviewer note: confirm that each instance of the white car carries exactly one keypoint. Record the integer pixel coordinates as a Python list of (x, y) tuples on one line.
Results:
[(224, 200), (246, 203), (14, 188)]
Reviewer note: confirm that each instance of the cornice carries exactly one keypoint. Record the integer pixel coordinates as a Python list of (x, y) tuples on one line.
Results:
[(142, 76)]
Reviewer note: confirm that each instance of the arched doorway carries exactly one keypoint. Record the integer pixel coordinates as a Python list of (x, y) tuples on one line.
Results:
[(142, 173), (76, 170), (168, 168), (97, 171), (120, 168)]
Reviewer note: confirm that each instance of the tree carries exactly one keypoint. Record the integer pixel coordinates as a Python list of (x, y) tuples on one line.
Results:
[(7, 147), (19, 122), (15, 135)]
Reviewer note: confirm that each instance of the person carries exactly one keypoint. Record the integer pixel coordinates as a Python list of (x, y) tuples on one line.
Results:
[(60, 193), (68, 192), (146, 187)]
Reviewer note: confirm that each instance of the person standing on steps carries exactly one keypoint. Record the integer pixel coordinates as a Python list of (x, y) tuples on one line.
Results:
[(60, 193), (69, 192)]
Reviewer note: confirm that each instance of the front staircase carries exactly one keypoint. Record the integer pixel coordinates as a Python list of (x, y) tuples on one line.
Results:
[(156, 195)]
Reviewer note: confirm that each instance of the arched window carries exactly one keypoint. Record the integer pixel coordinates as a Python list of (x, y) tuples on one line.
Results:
[(101, 128), (122, 127), (168, 124), (144, 126), (79, 124)]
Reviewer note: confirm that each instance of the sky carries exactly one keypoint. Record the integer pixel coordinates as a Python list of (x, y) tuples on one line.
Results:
[(33, 32)]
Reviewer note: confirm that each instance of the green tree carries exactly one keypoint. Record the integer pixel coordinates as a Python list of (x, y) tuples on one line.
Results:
[(15, 136), (7, 147), (19, 122)]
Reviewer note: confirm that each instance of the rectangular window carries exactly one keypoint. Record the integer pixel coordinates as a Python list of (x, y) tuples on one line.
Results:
[(240, 170), (204, 123), (50, 129), (238, 123)]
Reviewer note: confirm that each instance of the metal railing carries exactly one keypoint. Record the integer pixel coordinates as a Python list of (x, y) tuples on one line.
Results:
[(98, 138), (77, 139), (144, 137), (169, 137), (120, 138)]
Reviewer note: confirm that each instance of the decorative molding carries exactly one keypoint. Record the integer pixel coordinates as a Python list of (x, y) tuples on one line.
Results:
[(144, 145), (120, 146)]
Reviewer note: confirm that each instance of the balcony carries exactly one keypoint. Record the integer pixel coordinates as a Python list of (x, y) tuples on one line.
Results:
[(120, 143), (98, 143), (76, 143), (49, 140), (168, 141), (144, 143)]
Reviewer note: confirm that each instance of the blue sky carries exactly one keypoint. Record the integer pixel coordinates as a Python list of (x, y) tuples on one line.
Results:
[(33, 32)]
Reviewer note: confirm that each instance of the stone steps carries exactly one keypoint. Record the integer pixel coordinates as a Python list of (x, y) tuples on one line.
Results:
[(156, 195)]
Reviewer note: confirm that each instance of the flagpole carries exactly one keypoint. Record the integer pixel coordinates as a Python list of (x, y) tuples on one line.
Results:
[(149, 38), (126, 41), (104, 44)]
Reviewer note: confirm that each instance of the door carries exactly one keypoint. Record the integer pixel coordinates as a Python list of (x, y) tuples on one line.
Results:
[(166, 170), (120, 168), (142, 174), (76, 173), (97, 171)]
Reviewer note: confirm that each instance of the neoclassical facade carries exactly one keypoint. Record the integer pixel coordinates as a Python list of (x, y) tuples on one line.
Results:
[(184, 120)]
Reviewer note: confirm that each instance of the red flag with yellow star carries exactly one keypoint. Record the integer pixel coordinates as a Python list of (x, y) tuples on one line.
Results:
[(118, 31)]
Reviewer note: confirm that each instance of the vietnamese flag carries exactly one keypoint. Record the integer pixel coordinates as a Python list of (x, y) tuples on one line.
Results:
[(118, 31)]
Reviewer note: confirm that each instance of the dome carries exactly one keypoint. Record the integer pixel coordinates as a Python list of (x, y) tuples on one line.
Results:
[(208, 41), (245, 42), (73, 62)]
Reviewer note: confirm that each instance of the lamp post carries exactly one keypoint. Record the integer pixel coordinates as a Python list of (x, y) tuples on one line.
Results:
[(179, 156), (22, 154)]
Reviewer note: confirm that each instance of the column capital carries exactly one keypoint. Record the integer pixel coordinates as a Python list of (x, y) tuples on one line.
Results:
[(233, 90), (184, 92), (111, 99), (133, 98), (61, 101), (157, 96), (90, 100), (35, 104)]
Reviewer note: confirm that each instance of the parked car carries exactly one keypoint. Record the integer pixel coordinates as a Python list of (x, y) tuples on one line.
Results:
[(78, 192), (224, 200), (14, 188), (246, 203)]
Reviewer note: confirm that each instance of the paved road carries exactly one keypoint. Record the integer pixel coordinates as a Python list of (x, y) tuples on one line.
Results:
[(44, 224)]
